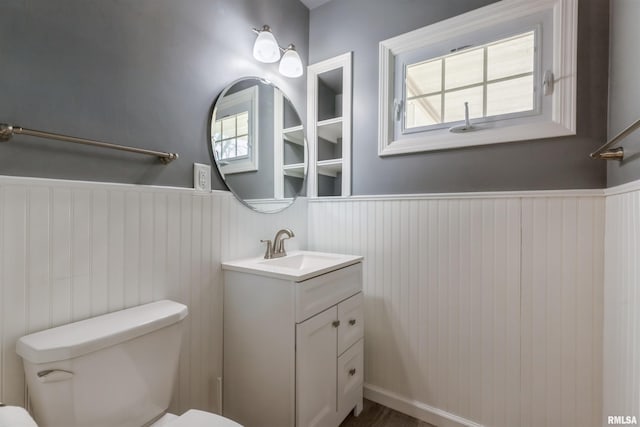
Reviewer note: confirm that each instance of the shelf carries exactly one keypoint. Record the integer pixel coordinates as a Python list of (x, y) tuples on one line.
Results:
[(330, 130), (330, 167), (294, 135), (295, 170)]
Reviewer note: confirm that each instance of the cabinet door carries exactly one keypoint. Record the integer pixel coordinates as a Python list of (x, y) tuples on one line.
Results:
[(316, 364)]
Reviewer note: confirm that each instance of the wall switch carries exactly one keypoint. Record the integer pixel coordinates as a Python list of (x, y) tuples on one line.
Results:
[(202, 177)]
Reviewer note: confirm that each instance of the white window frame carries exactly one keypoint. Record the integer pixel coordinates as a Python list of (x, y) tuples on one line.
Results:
[(249, 99), (562, 120)]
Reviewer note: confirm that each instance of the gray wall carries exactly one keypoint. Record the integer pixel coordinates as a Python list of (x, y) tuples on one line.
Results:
[(143, 73), (560, 163), (624, 87)]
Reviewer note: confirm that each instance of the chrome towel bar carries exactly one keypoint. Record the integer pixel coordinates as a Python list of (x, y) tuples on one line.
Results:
[(607, 153), (7, 131)]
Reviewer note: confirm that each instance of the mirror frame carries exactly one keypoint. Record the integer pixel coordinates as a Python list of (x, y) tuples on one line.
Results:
[(210, 144)]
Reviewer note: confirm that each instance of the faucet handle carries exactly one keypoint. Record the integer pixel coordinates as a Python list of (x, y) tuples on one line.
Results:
[(269, 252)]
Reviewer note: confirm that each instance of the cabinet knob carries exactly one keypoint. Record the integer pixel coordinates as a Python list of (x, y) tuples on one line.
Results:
[(352, 371), (335, 323), (352, 322)]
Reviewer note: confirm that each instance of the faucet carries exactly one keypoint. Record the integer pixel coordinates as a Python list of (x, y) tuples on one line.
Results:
[(276, 249)]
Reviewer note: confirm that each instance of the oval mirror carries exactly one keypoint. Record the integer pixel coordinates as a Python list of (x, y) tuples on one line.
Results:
[(258, 144)]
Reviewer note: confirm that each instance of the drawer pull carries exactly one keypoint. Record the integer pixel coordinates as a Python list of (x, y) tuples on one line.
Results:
[(352, 322), (352, 371), (335, 323)]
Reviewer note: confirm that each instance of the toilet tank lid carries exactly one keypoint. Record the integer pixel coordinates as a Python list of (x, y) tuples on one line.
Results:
[(86, 336)]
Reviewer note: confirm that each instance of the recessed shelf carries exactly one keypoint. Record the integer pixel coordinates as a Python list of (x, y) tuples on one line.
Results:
[(330, 167), (330, 130), (295, 170), (294, 134)]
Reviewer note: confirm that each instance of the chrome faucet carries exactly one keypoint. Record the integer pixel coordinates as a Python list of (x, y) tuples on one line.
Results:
[(276, 249)]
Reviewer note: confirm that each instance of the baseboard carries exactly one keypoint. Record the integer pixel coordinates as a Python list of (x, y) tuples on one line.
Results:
[(419, 410)]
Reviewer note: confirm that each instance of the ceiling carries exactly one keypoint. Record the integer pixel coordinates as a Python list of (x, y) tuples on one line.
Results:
[(312, 4)]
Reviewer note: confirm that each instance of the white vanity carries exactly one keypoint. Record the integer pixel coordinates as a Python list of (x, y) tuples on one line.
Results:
[(293, 340)]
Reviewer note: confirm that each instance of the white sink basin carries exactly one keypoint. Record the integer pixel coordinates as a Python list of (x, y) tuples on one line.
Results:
[(296, 266)]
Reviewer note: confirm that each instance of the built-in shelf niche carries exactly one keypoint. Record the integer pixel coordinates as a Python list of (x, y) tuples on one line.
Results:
[(329, 127), (290, 154)]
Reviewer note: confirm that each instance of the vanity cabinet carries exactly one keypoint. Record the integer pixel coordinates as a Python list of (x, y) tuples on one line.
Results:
[(293, 351)]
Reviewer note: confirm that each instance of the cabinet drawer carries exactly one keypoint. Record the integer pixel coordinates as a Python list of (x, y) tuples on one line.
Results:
[(319, 293), (351, 317), (350, 378)]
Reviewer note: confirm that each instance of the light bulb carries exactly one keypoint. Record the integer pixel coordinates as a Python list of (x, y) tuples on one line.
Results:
[(266, 48), (291, 64)]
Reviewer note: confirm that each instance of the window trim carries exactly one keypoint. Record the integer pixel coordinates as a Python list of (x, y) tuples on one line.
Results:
[(248, 163), (563, 114)]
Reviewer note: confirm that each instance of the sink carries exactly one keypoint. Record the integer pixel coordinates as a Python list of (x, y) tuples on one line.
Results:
[(296, 266)]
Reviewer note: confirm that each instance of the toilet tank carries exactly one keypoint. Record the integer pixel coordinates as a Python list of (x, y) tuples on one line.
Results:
[(117, 369)]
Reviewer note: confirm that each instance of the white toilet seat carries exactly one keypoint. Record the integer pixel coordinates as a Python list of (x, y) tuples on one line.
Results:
[(194, 418)]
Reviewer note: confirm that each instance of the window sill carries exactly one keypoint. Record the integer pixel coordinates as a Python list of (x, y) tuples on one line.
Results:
[(482, 135)]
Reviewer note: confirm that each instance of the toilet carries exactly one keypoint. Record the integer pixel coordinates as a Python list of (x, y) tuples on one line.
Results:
[(117, 369)]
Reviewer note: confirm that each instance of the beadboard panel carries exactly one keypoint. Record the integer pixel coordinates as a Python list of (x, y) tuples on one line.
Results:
[(478, 311), (71, 250), (622, 306)]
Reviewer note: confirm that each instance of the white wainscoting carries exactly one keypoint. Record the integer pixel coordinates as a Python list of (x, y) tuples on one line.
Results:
[(622, 304), (71, 250), (479, 310)]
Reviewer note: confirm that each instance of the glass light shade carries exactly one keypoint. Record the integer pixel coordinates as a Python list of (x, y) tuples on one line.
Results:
[(291, 64), (266, 48)]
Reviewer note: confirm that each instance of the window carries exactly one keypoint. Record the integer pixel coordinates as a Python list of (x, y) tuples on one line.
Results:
[(495, 79), (511, 65), (234, 133)]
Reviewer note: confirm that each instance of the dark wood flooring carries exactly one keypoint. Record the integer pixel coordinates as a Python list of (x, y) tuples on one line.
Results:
[(375, 415)]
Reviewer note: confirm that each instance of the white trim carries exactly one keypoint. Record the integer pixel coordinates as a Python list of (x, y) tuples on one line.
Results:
[(466, 195), (416, 409), (628, 187), (54, 182), (563, 117), (278, 145), (343, 61)]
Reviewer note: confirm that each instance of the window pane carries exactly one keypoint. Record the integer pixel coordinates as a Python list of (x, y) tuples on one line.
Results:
[(243, 124), (242, 146), (424, 78), (229, 127), (510, 57), (217, 130), (454, 104), (510, 96), (229, 149), (217, 150), (423, 111), (464, 69)]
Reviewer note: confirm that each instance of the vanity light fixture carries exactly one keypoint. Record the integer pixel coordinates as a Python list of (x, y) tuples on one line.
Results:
[(290, 64), (266, 49)]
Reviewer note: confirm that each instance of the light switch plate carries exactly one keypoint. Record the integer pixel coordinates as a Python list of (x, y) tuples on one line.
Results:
[(202, 177)]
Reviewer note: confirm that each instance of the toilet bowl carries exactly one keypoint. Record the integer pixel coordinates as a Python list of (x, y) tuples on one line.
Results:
[(117, 369)]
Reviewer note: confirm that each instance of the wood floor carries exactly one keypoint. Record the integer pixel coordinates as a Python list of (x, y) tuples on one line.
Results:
[(375, 415)]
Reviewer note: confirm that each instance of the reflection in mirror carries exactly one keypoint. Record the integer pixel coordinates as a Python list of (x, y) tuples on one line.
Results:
[(258, 145)]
